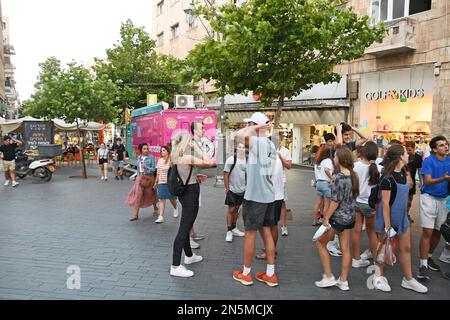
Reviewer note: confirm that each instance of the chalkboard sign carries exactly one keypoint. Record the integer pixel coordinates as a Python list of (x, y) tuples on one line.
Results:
[(37, 133)]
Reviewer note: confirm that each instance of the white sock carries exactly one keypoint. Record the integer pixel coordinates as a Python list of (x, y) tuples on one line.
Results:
[(424, 262), (246, 270), (270, 270)]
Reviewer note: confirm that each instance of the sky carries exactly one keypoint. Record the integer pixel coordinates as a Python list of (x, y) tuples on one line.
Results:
[(67, 29)]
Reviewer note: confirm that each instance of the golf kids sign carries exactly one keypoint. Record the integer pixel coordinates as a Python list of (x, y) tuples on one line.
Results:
[(395, 94)]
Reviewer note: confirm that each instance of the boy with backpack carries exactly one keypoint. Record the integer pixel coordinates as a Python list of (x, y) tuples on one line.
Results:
[(234, 177)]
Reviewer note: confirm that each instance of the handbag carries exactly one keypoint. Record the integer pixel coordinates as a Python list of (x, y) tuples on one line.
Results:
[(146, 181), (176, 185), (386, 252)]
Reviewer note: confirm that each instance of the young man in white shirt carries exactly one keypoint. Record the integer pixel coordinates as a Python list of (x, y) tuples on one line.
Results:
[(234, 177)]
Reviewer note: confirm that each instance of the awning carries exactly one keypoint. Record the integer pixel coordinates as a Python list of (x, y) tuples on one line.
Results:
[(12, 125), (310, 116), (89, 126)]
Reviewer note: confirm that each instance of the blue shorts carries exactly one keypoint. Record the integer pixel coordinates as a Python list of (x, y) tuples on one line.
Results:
[(323, 188), (117, 164)]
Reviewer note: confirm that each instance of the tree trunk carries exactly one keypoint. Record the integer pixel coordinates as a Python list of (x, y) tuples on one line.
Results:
[(83, 164), (279, 110)]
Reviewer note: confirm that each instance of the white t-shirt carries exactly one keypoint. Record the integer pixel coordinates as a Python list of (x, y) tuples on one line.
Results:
[(237, 177), (277, 179), (362, 171), (319, 170), (286, 155)]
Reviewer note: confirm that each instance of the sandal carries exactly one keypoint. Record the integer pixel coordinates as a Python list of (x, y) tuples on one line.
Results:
[(134, 218)]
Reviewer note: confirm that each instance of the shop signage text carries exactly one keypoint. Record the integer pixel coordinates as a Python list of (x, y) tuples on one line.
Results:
[(395, 94)]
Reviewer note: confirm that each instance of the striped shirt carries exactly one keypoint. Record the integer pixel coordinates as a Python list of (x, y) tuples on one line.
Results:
[(162, 168)]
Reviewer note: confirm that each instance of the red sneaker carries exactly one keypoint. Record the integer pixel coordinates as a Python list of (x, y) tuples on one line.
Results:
[(270, 281), (245, 280)]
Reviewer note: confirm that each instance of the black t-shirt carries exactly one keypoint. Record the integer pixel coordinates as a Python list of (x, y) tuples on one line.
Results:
[(412, 167), (8, 151), (119, 150), (351, 145), (390, 184)]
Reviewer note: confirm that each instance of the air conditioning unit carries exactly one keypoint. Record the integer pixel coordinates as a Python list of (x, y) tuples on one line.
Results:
[(184, 102)]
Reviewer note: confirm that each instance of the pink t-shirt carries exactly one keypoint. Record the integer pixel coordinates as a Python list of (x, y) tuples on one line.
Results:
[(162, 168)]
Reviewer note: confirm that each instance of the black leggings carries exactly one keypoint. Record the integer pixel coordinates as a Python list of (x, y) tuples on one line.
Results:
[(190, 205)]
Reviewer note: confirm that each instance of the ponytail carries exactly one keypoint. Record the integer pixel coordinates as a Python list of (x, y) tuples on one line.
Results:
[(355, 184)]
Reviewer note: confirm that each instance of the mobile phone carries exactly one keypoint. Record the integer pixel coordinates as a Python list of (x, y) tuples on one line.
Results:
[(392, 232)]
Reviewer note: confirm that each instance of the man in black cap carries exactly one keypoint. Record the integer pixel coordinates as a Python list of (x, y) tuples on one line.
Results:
[(8, 154)]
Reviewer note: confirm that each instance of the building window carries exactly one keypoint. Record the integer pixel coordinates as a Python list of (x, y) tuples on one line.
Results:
[(160, 8), (160, 38), (385, 10), (175, 29)]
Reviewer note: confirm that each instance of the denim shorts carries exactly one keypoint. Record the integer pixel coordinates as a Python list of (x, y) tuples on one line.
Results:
[(365, 210), (323, 188)]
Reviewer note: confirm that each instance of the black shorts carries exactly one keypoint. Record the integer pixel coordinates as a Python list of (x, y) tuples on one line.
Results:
[(234, 199), (340, 227), (102, 161), (277, 211), (257, 215)]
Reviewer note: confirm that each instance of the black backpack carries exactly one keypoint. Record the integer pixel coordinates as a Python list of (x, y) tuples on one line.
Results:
[(176, 185), (374, 196), (445, 228)]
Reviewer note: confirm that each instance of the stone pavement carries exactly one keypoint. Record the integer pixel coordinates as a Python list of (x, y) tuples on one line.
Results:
[(47, 227)]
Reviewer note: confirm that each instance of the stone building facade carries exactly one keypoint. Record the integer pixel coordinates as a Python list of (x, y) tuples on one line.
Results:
[(418, 44)]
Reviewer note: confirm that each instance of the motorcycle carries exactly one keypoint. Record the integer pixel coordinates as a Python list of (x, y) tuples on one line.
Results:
[(39, 168)]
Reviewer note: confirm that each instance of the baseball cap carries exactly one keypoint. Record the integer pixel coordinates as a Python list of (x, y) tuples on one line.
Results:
[(258, 118)]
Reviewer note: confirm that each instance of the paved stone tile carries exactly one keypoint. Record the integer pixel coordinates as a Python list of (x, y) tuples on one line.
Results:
[(85, 223)]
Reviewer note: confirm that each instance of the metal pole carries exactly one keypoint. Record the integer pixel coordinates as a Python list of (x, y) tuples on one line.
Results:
[(221, 147)]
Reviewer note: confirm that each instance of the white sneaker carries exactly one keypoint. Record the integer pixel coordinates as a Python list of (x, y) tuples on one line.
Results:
[(229, 237), (102, 178), (326, 282), (361, 263), (238, 233), (413, 284), (331, 247), (343, 285), (381, 283), (15, 183), (106, 178), (180, 271), (366, 255), (160, 219), (6, 183), (445, 256), (190, 260), (175, 212), (284, 231), (194, 245)]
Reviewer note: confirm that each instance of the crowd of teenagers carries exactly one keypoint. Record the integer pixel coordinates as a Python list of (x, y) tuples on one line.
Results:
[(359, 188)]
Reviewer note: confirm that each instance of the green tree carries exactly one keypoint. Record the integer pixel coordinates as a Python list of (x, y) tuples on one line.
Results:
[(134, 66), (74, 95), (278, 48)]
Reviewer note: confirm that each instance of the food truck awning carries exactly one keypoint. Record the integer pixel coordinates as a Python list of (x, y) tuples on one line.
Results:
[(8, 126)]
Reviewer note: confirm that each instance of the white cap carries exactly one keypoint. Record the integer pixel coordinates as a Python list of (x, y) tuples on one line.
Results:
[(258, 118)]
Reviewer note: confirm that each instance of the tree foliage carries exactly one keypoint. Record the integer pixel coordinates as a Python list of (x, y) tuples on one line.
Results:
[(135, 67), (72, 94), (278, 48)]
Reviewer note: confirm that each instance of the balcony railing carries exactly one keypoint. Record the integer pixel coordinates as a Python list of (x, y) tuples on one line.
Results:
[(401, 38)]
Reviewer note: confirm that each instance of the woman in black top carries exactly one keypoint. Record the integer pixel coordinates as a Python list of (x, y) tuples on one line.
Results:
[(392, 216)]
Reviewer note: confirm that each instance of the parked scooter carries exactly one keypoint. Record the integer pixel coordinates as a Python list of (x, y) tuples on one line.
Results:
[(39, 168)]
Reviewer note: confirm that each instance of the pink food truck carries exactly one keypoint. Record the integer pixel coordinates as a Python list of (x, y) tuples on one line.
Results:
[(156, 127)]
